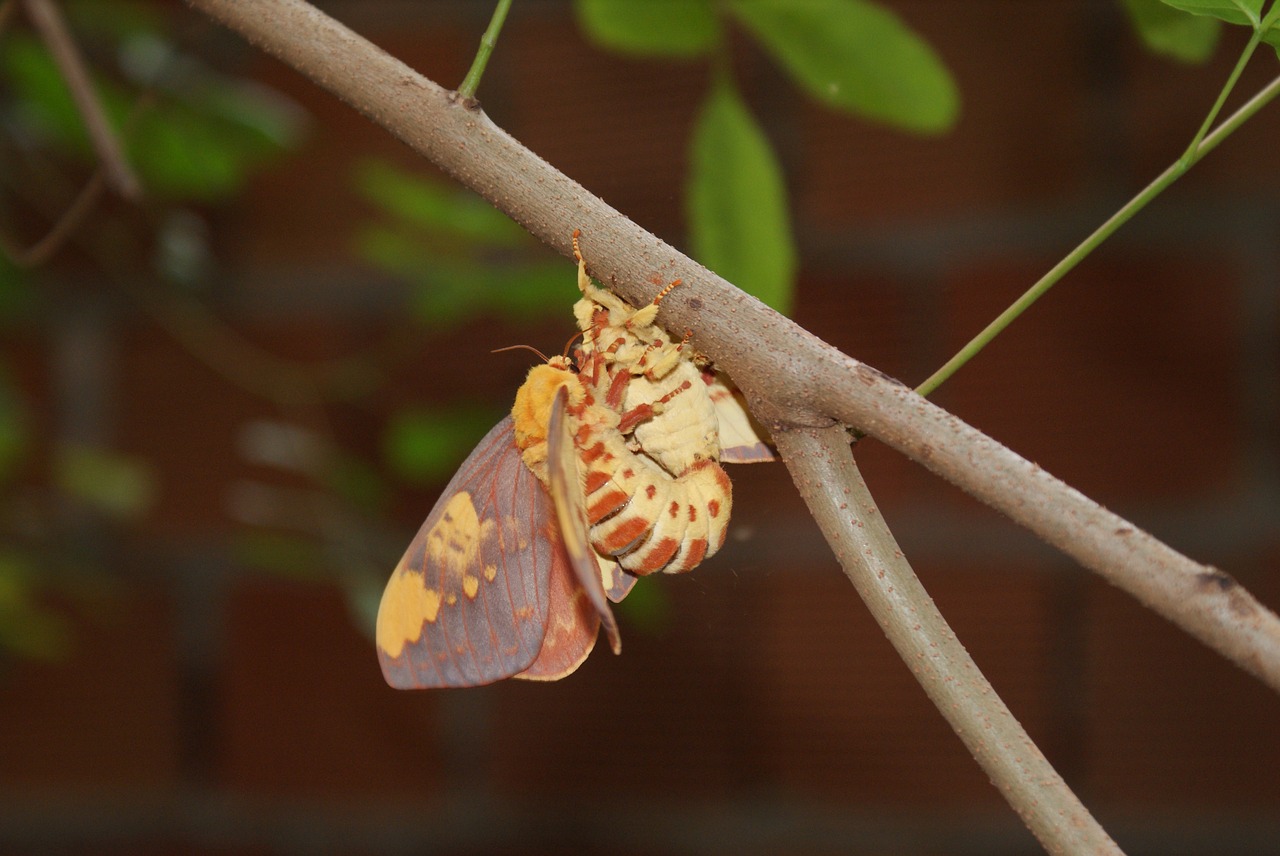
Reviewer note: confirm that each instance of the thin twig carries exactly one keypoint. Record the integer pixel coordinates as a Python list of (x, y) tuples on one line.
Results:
[(1202, 146), (40, 252), (824, 471), (791, 378), (48, 22), (66, 223)]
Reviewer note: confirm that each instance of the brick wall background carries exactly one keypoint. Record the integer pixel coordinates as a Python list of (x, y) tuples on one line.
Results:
[(210, 708)]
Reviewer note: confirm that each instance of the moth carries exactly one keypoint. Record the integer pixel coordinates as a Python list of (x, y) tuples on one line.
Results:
[(607, 468)]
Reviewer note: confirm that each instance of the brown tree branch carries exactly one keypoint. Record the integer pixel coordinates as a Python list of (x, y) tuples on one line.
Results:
[(791, 378), (48, 21), (822, 465)]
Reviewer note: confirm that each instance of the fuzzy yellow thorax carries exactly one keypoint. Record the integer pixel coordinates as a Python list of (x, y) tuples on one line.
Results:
[(531, 412)]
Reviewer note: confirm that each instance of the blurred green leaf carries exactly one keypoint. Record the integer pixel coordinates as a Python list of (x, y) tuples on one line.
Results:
[(463, 257), (857, 56), (679, 28), (180, 154), (287, 555), (738, 220), (648, 607), (535, 290), (430, 205), (356, 481), (1173, 33), (42, 103), (196, 143), (27, 628), (112, 483), (426, 446), (450, 290), (261, 120)]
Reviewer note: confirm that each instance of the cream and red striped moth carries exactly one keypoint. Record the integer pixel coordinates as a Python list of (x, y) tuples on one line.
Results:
[(607, 468)]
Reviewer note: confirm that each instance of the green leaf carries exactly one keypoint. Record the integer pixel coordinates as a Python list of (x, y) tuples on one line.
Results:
[(856, 56), (43, 105), (1247, 12), (1173, 33), (738, 220), (426, 446), (110, 482), (357, 482), (450, 290), (429, 205), (648, 608), (27, 627), (1272, 35), (200, 140), (281, 553), (681, 28)]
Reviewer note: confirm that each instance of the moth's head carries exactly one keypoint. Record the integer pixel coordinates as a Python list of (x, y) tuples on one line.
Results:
[(532, 410)]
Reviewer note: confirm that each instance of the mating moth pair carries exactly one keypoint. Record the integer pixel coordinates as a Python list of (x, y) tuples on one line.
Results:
[(607, 469)]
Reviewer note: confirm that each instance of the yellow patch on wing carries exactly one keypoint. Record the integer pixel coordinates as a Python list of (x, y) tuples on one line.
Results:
[(407, 604), (454, 542)]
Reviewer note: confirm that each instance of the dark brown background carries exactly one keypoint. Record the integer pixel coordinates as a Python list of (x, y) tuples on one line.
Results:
[(213, 709)]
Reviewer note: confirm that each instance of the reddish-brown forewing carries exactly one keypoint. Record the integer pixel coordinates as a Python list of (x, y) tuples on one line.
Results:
[(485, 590)]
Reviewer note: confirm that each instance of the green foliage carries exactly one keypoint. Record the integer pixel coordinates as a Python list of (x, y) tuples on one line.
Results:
[(285, 554), (850, 55), (1173, 33), (737, 201), (27, 627), (674, 28), (424, 446), (429, 206), (114, 484), (856, 56), (464, 258), (648, 608), (1241, 12), (200, 140), (1248, 12), (356, 482), (191, 135)]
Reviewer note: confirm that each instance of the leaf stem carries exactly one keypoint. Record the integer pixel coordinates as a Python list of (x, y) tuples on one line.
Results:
[(1204, 144), (488, 41), (1192, 153)]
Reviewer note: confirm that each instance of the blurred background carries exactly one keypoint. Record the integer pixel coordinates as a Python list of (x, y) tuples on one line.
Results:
[(224, 412)]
